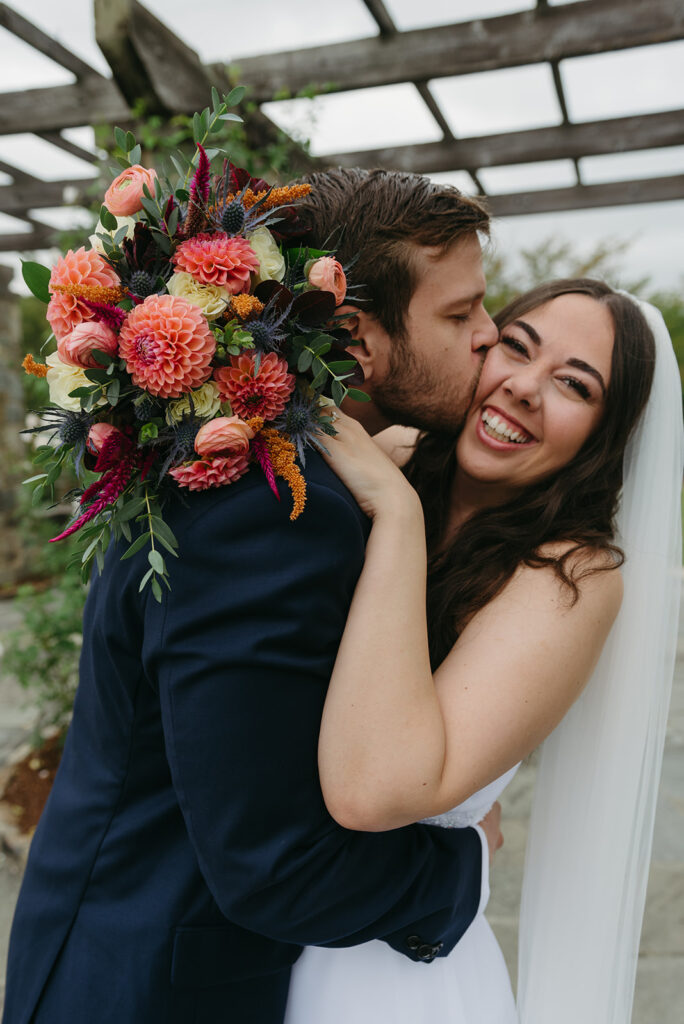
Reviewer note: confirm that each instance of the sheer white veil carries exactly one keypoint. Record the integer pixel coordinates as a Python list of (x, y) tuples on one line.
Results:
[(591, 830)]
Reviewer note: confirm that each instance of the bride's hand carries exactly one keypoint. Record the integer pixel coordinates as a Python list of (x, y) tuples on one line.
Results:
[(377, 484)]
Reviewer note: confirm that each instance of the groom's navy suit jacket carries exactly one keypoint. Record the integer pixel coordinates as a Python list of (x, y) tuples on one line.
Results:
[(185, 854)]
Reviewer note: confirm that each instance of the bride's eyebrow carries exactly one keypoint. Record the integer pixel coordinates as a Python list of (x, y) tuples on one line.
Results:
[(579, 364)]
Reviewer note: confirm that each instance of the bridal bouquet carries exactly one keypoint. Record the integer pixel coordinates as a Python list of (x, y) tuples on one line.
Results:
[(193, 339)]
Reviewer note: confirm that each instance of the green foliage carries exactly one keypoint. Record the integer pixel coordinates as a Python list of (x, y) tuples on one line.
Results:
[(43, 653), (35, 332)]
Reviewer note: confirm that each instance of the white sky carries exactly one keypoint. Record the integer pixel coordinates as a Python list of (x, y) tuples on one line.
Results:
[(633, 81)]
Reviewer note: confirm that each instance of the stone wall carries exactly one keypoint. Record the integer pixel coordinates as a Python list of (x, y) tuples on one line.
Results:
[(12, 447)]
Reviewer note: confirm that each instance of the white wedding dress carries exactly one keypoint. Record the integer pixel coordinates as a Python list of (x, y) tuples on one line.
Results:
[(373, 984)]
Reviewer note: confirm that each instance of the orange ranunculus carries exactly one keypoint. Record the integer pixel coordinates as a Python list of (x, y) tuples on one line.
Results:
[(223, 434), (76, 348), (327, 274), (124, 195)]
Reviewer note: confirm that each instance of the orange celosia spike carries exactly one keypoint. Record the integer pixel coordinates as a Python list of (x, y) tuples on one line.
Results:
[(244, 305), (282, 196), (282, 453), (92, 292), (34, 368)]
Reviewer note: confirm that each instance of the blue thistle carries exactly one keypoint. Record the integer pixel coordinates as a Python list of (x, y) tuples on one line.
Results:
[(71, 428), (268, 330), (303, 421)]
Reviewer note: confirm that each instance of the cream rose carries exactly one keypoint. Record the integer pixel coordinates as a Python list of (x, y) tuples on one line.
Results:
[(271, 260), (96, 243), (211, 298), (124, 195), (62, 379), (206, 401), (222, 435)]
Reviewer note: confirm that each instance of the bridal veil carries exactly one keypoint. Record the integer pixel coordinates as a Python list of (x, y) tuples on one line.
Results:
[(591, 831)]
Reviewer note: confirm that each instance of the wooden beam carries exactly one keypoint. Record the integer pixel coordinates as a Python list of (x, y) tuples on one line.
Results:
[(564, 142), (56, 139), (27, 241), (97, 101), (529, 37), (148, 60), (584, 197), (16, 199), (35, 37)]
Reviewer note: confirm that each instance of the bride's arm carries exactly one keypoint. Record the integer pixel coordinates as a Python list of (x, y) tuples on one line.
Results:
[(398, 745)]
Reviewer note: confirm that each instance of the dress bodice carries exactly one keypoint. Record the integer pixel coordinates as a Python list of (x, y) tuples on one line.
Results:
[(476, 806)]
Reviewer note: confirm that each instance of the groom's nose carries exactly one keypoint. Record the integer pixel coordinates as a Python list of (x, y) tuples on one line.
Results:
[(485, 333)]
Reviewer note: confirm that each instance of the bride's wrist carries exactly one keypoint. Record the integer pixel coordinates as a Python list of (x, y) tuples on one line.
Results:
[(401, 506)]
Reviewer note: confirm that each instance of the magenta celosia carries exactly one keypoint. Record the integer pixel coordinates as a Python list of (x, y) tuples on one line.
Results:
[(219, 260)]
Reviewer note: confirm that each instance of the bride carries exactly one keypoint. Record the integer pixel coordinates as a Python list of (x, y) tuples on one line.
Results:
[(519, 532)]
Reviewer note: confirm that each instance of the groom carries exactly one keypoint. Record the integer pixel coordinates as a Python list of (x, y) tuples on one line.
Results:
[(185, 854)]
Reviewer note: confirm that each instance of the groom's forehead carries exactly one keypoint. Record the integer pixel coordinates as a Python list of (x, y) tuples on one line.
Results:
[(454, 276)]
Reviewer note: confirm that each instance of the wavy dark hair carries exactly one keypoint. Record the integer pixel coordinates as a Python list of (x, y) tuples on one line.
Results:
[(577, 503)]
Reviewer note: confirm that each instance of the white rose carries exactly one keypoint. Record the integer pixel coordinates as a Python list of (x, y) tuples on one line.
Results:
[(206, 401), (62, 379), (210, 298), (96, 243), (271, 260)]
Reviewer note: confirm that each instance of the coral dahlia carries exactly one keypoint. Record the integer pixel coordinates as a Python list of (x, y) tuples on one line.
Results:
[(205, 473), (219, 260), (256, 387), (167, 345), (82, 267)]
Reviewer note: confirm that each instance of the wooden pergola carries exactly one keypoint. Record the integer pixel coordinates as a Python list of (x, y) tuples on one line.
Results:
[(149, 62)]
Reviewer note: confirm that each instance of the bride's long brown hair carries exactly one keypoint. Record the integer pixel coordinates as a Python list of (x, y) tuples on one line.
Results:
[(578, 503)]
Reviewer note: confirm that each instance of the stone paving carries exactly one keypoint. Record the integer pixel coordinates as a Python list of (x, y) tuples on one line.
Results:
[(660, 976)]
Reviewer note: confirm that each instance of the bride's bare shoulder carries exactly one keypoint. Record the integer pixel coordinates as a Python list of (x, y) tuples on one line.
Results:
[(398, 443)]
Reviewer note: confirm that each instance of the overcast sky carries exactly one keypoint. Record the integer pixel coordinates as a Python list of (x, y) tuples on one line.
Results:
[(627, 82)]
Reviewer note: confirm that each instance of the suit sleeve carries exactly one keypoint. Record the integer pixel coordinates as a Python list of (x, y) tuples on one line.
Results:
[(245, 643)]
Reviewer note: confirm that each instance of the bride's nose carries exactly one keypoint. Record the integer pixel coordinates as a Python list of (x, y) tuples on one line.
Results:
[(524, 386)]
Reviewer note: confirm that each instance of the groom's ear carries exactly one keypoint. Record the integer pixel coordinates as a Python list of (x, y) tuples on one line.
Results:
[(371, 342)]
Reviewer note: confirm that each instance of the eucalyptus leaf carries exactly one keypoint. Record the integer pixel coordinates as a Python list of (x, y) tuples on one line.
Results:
[(163, 531), (156, 590), (305, 360), (135, 155), (235, 96), (37, 279), (359, 396), (144, 580), (136, 546), (156, 561), (113, 391), (120, 138), (338, 392)]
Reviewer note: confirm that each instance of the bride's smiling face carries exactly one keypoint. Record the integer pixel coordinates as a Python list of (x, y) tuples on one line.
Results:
[(541, 394)]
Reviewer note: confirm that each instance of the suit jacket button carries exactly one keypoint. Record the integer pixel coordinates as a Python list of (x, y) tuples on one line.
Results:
[(428, 951), (413, 941)]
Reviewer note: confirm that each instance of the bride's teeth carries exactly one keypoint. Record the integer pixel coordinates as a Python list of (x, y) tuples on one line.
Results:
[(496, 428)]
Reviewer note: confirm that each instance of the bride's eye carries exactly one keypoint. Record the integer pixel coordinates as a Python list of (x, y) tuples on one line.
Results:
[(513, 344)]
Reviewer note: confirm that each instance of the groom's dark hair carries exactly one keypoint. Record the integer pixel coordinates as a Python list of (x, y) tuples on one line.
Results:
[(375, 220)]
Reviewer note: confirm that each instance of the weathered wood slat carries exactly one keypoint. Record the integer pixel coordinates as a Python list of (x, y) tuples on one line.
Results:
[(97, 101), (35, 195), (584, 197), (26, 242), (55, 139), (148, 59), (570, 141), (35, 37), (529, 37)]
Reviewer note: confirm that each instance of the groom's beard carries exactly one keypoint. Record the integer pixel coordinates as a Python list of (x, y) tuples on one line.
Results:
[(417, 394)]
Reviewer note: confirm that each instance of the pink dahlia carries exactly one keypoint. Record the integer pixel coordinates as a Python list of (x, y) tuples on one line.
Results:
[(206, 473), (219, 260), (256, 392), (167, 345), (77, 269)]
